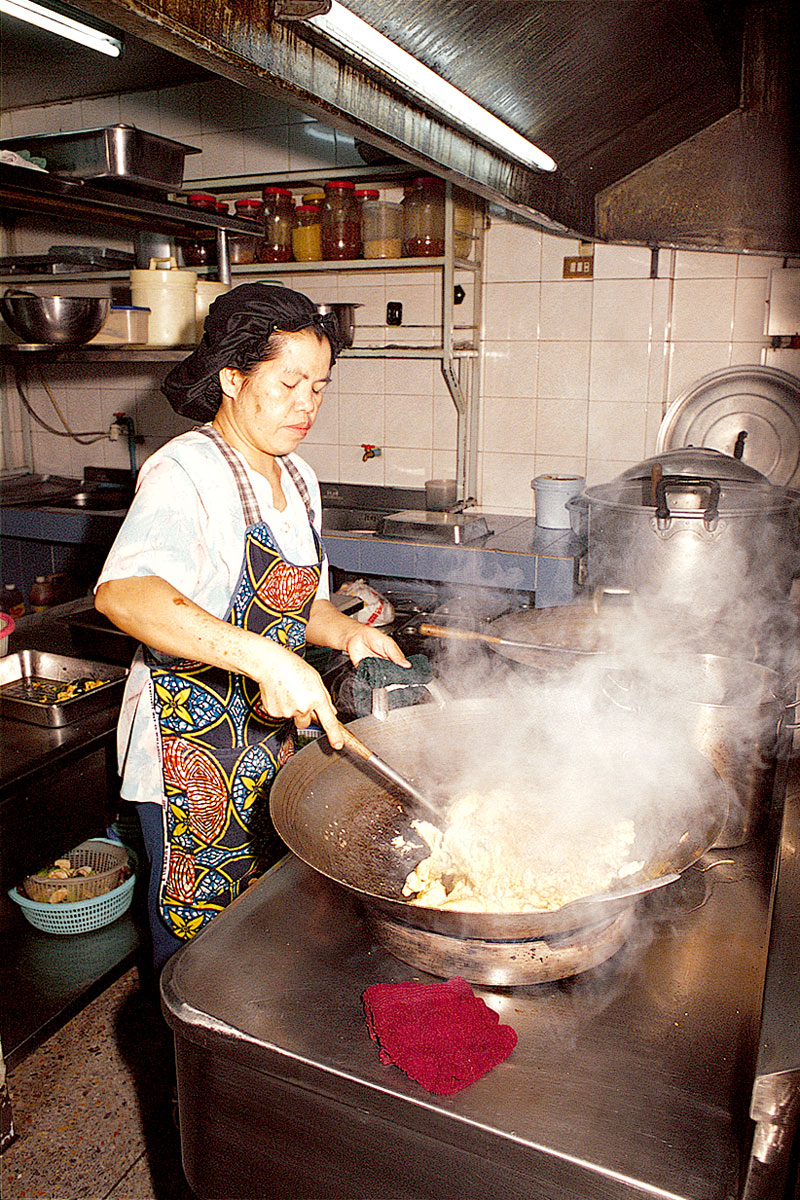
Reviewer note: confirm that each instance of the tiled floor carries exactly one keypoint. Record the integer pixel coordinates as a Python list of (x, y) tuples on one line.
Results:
[(92, 1108)]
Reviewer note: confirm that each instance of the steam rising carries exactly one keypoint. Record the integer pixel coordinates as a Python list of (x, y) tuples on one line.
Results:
[(674, 725)]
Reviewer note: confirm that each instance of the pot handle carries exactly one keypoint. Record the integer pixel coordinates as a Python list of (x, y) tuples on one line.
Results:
[(663, 514), (610, 682)]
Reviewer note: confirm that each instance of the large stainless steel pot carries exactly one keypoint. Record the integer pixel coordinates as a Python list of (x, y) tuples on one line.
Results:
[(347, 824), (735, 713), (693, 527)]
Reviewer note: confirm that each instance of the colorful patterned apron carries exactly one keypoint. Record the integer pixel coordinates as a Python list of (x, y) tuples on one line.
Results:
[(219, 749)]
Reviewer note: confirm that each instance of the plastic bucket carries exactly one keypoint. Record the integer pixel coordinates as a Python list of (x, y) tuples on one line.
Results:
[(170, 294), (552, 494), (206, 293)]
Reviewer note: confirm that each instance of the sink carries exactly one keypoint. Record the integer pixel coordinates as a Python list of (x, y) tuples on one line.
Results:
[(351, 520), (95, 498)]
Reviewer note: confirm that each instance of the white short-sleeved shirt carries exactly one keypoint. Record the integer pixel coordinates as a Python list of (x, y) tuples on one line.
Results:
[(186, 525)]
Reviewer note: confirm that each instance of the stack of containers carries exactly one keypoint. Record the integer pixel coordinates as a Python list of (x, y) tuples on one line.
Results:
[(339, 224)]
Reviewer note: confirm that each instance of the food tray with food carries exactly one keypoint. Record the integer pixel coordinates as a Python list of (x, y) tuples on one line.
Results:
[(54, 690), (91, 869)]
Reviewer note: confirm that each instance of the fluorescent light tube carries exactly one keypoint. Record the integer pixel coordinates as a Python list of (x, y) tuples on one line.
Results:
[(54, 22), (355, 35)]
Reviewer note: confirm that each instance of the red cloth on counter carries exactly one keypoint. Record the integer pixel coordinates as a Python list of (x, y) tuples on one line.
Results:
[(441, 1034)]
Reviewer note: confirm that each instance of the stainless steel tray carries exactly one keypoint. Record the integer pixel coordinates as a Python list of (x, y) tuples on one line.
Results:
[(31, 680), (116, 153), (454, 528)]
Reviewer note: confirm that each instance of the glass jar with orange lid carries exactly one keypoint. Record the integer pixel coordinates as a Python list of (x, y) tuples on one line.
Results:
[(341, 223), (423, 218), (278, 218)]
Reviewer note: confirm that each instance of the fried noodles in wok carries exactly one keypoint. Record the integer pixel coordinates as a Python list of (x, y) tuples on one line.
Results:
[(481, 862)]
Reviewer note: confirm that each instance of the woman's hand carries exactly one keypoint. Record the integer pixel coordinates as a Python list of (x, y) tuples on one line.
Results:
[(154, 612), (292, 689), (328, 627), (366, 642)]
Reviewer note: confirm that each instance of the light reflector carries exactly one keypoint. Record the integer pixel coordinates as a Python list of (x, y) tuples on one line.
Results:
[(55, 22), (355, 35)]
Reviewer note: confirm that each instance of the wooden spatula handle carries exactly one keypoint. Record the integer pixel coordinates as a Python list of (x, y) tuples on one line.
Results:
[(353, 744), (460, 635)]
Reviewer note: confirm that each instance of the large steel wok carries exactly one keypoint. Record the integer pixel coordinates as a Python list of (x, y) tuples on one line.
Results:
[(558, 639), (347, 824)]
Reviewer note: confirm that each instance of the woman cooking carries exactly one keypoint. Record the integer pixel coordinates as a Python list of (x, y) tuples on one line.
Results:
[(219, 571)]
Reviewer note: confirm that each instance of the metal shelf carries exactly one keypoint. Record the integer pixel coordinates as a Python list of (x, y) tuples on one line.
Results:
[(21, 353), (352, 264), (35, 191), (387, 174)]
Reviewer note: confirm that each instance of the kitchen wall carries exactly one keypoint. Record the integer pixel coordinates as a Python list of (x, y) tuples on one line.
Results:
[(575, 374)]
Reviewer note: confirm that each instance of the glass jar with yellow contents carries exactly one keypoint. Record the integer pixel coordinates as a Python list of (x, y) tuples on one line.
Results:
[(307, 234)]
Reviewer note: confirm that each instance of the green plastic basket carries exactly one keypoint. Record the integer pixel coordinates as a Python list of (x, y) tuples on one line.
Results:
[(81, 916)]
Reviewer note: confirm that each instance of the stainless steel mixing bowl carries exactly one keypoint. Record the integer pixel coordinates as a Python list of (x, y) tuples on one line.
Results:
[(54, 320), (346, 316)]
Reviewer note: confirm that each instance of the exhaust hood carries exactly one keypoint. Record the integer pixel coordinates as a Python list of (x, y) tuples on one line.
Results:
[(671, 121)]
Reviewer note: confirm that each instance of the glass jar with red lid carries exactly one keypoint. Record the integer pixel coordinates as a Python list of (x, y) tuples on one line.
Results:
[(242, 246), (277, 213), (199, 248), (341, 221), (423, 218)]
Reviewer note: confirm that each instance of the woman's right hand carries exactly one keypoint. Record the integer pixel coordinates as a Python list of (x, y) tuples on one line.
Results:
[(292, 689), (154, 612)]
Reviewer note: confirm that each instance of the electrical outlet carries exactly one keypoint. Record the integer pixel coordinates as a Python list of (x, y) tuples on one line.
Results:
[(394, 313), (578, 266)]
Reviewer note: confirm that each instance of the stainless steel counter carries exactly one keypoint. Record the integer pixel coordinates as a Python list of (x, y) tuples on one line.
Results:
[(632, 1080), (57, 787)]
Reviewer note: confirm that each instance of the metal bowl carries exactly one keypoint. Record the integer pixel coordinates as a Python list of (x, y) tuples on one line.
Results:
[(346, 316), (54, 320)]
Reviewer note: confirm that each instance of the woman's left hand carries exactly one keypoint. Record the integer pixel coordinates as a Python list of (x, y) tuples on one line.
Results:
[(366, 642), (328, 627)]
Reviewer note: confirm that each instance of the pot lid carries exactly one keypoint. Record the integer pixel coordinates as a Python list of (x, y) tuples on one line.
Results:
[(690, 499), (761, 402), (696, 460)]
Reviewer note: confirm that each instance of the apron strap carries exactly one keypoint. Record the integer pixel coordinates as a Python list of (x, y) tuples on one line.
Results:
[(252, 512), (250, 506), (300, 484)]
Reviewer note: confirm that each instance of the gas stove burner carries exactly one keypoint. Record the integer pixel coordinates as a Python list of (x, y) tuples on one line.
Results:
[(505, 963)]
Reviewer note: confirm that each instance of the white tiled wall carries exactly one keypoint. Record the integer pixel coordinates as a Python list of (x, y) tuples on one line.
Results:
[(575, 374)]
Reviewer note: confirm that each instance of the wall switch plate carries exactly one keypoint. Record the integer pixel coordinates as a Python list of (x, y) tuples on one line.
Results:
[(579, 266)]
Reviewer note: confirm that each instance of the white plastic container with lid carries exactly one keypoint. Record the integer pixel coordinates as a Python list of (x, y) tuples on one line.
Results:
[(552, 493), (206, 293), (169, 292)]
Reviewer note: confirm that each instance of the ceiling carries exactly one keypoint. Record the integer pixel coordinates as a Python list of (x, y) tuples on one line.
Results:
[(607, 88)]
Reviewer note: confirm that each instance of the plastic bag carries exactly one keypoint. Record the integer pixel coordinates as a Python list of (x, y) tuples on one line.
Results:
[(377, 609)]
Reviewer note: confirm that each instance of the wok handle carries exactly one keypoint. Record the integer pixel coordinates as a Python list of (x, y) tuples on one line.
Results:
[(352, 743), (461, 635), (357, 748)]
